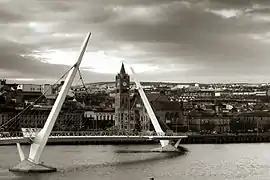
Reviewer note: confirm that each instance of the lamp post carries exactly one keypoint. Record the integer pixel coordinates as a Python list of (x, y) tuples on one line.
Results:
[(257, 126)]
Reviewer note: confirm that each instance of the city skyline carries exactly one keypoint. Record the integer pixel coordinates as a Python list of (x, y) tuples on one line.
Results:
[(181, 41)]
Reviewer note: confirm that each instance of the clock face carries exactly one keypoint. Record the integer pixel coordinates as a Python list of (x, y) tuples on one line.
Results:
[(124, 83)]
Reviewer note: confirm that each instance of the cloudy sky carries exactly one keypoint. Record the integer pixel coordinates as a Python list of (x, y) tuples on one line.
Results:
[(164, 40)]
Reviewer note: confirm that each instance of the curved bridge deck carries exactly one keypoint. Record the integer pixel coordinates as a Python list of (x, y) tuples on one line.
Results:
[(55, 139)]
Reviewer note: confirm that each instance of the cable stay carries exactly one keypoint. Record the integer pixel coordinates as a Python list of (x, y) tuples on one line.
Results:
[(16, 118), (32, 162)]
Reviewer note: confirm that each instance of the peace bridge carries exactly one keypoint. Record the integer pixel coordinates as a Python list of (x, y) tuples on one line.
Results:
[(62, 137), (38, 138)]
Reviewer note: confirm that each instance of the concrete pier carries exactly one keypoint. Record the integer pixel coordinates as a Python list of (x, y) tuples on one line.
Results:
[(27, 166)]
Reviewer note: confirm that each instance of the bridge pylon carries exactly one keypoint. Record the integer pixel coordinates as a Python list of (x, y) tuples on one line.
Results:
[(32, 164), (166, 145)]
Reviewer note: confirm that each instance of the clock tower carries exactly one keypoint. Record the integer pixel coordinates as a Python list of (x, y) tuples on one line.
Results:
[(122, 100)]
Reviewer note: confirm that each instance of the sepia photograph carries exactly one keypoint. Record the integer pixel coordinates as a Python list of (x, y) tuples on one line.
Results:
[(134, 89)]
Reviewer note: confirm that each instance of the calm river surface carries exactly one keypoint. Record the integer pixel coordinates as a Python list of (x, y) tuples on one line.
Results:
[(105, 162)]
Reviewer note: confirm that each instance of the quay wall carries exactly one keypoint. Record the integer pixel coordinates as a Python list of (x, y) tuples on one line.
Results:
[(226, 139), (191, 139)]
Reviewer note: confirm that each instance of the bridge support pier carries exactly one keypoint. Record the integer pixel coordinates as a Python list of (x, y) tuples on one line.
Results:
[(170, 149), (27, 166), (32, 165)]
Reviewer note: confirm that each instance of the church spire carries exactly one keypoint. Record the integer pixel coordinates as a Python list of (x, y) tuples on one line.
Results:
[(122, 71)]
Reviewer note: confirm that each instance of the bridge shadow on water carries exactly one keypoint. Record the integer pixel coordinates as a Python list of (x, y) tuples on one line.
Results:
[(31, 176), (157, 156)]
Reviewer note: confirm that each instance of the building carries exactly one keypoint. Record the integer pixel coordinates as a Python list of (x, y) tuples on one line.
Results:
[(131, 115), (99, 119), (251, 122), (36, 118), (29, 88), (208, 124), (2, 83), (5, 117), (46, 89), (122, 101), (168, 113)]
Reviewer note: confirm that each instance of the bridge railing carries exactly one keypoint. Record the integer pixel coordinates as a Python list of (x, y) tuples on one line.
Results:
[(90, 133), (11, 134), (108, 133)]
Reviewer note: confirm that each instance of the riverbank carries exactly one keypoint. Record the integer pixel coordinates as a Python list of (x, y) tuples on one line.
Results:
[(191, 139), (226, 139)]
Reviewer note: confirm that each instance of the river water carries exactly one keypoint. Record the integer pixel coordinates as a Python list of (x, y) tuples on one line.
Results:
[(108, 162)]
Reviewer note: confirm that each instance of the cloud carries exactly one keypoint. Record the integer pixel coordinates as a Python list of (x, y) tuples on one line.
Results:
[(226, 13), (208, 40), (264, 37)]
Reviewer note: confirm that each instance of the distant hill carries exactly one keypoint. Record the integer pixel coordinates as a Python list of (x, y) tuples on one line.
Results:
[(150, 83), (144, 83)]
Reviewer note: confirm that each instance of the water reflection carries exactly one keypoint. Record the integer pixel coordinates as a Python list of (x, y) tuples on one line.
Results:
[(31, 176), (156, 157), (203, 162), (144, 158)]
